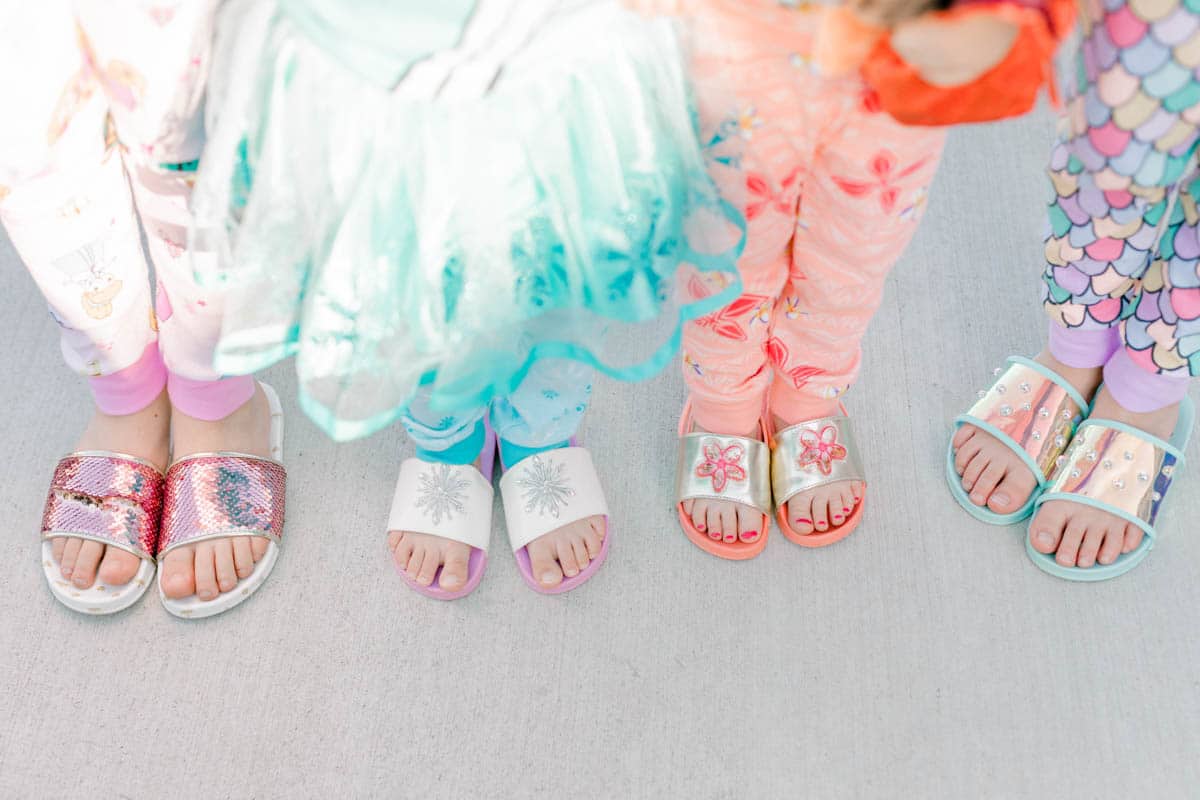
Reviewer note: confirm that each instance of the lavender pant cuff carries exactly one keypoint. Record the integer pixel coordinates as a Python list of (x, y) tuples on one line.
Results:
[(1139, 390), (210, 400), (129, 390), (1083, 348)]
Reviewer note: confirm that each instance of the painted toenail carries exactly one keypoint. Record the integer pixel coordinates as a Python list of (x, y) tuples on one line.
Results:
[(714, 535), (802, 521), (846, 510), (701, 528)]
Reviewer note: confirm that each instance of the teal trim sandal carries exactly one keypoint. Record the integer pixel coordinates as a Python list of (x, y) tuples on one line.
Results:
[(1033, 411), (1124, 471)]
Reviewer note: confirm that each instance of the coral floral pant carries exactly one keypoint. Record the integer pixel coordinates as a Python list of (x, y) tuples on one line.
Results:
[(832, 190)]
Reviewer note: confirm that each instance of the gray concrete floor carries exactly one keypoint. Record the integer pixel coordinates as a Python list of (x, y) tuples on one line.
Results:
[(922, 657)]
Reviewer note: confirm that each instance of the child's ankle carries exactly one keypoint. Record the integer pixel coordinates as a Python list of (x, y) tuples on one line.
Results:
[(511, 454)]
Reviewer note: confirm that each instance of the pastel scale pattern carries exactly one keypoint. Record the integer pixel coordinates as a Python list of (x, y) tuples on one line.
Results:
[(1127, 141), (221, 495), (107, 498)]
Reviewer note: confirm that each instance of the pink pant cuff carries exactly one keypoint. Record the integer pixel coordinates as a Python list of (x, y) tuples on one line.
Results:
[(1139, 390), (729, 416), (210, 400), (1083, 349), (129, 390), (793, 405)]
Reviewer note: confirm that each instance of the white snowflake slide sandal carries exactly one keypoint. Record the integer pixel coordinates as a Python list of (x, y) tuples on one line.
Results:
[(453, 502), (544, 492)]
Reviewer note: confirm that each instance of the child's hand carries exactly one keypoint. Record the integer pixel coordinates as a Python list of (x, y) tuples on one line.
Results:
[(954, 52)]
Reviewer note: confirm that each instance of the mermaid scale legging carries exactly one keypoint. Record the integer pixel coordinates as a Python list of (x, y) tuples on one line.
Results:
[(103, 109), (1121, 282), (832, 190)]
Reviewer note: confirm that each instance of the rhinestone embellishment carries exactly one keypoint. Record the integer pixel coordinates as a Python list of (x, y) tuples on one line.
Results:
[(545, 487), (1006, 410), (1036, 436), (1106, 464), (1024, 387), (1143, 477), (1001, 388), (1043, 412), (441, 494), (1118, 483)]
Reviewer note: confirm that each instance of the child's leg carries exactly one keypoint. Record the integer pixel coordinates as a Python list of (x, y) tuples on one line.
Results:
[(154, 69), (544, 414), (858, 210), (65, 204), (455, 438), (754, 120), (1126, 139), (1144, 382)]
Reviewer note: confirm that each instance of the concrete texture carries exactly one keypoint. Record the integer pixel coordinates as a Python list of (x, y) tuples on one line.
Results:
[(922, 657)]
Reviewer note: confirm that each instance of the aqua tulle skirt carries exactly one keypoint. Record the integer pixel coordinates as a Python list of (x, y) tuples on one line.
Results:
[(391, 241)]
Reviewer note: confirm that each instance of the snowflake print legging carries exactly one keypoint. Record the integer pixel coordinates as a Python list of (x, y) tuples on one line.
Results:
[(544, 412), (832, 190), (1122, 285), (98, 96)]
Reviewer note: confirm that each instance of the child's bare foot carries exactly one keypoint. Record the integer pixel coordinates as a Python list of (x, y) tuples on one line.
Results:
[(993, 475), (725, 520), (566, 551), (144, 434), (1080, 535), (825, 507), (419, 555), (210, 567)]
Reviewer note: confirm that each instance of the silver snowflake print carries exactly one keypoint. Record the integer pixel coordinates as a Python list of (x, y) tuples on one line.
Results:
[(545, 487), (441, 493)]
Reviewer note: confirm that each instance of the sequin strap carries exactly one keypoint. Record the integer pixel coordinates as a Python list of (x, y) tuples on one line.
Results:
[(814, 453), (732, 468), (106, 497), (1031, 410), (214, 495), (1117, 469)]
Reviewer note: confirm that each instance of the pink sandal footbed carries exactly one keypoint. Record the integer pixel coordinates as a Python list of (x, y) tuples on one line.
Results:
[(714, 467)]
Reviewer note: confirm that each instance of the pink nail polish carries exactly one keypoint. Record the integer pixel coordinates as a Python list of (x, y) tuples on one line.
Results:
[(846, 510), (804, 522)]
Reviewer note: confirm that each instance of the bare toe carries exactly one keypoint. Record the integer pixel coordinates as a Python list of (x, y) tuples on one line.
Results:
[(1133, 538), (66, 564), (86, 564), (799, 511), (454, 573), (178, 576), (1110, 550), (1090, 547), (223, 558), (566, 555), (1047, 528), (1068, 548), (987, 481), (1012, 492), (749, 523), (206, 571), (258, 547), (963, 435), (541, 560), (117, 567)]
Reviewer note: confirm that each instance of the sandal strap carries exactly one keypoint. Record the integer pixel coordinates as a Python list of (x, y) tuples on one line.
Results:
[(1032, 410), (1118, 469), (217, 495), (453, 501), (548, 490), (814, 453), (106, 497), (714, 467)]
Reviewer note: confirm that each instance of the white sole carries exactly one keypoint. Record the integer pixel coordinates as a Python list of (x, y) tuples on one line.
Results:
[(192, 607), (100, 598)]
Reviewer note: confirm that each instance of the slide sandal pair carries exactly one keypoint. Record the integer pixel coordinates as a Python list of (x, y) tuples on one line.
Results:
[(125, 502), (540, 493), (764, 473), (1038, 415)]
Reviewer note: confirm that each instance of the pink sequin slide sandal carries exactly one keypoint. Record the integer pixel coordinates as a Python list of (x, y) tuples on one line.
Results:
[(453, 501), (110, 498), (546, 491), (714, 467), (220, 495), (806, 456)]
